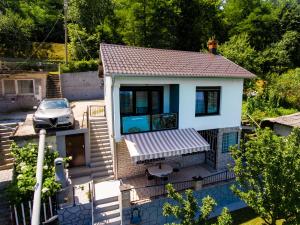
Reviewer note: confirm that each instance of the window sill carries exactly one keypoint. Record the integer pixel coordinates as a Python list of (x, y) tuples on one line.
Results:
[(203, 115)]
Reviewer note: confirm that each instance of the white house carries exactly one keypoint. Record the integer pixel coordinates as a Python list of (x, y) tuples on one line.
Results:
[(170, 106)]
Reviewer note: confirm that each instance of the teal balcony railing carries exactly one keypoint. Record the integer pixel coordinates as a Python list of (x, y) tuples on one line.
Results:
[(146, 123)]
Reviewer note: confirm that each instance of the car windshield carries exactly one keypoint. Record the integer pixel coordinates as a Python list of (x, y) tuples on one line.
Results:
[(55, 104)]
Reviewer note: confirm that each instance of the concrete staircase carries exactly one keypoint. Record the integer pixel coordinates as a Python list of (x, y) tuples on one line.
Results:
[(106, 203), (53, 86), (101, 155), (6, 159)]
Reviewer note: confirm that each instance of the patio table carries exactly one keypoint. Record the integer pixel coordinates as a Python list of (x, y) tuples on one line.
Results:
[(160, 170)]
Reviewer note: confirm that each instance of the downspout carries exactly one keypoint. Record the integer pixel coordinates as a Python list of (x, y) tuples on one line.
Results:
[(36, 208)]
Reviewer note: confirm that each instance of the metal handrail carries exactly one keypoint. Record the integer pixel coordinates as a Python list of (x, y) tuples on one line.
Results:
[(36, 208), (183, 185)]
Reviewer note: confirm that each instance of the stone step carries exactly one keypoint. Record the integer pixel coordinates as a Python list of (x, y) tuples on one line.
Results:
[(79, 172), (102, 179), (102, 174), (6, 166), (100, 154), (5, 161), (96, 126), (101, 163), (100, 140), (106, 200), (113, 221), (100, 145), (101, 168), (98, 130), (107, 207), (101, 158), (101, 148), (98, 134), (107, 215)]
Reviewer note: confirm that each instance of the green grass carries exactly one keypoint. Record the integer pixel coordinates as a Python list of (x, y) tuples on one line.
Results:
[(246, 216), (49, 51)]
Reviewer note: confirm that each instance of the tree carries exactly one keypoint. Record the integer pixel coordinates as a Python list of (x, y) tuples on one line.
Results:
[(239, 50), (14, 34), (287, 92), (187, 210), (267, 170), (24, 180)]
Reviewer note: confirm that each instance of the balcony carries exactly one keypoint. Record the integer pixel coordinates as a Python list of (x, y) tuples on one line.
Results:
[(147, 123)]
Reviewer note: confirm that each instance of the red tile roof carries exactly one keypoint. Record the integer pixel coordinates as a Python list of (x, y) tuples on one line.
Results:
[(137, 61)]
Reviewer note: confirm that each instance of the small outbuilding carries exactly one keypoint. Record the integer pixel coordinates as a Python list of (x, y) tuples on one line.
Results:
[(283, 125)]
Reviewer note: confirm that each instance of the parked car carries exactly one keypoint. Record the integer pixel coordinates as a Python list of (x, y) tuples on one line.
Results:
[(53, 113)]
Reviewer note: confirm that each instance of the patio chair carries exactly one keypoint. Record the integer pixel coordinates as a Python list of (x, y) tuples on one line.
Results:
[(148, 175)]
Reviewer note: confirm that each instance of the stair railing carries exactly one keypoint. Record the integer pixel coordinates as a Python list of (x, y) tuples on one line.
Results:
[(36, 208)]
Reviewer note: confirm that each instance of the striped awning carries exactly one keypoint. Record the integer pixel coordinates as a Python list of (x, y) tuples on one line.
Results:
[(160, 144)]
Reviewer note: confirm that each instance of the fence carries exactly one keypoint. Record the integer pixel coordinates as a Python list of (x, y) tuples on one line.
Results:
[(22, 213), (217, 178), (149, 192), (97, 111)]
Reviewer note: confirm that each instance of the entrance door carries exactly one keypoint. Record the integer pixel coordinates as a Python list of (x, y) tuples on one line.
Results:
[(75, 148)]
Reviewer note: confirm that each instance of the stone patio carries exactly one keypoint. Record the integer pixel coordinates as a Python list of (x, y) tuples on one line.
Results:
[(144, 189)]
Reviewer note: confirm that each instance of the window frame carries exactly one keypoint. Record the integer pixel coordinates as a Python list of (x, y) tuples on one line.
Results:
[(17, 88), (149, 90), (205, 91), (236, 139), (3, 87), (33, 87)]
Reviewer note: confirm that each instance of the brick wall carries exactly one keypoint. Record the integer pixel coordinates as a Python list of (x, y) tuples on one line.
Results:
[(225, 159), (127, 168)]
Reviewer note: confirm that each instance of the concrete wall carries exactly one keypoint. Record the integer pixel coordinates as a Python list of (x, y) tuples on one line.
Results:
[(127, 168), (151, 213), (16, 102), (230, 104), (282, 130), (82, 85)]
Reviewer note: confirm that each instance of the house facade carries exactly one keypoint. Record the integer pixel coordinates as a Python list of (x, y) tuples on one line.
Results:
[(182, 108), (21, 90)]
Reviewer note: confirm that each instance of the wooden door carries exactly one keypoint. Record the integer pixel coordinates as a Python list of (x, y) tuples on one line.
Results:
[(75, 147)]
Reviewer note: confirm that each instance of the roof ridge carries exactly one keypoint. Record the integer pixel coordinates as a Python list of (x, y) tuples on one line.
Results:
[(158, 49)]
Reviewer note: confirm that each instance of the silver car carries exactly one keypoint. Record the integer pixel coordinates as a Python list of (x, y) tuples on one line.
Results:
[(53, 113)]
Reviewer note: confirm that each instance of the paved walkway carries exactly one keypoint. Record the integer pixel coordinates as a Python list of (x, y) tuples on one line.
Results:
[(5, 177)]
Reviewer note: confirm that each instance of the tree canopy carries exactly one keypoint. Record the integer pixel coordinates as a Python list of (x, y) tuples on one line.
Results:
[(267, 170)]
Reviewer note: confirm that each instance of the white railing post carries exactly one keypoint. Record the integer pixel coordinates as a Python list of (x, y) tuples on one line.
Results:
[(36, 208)]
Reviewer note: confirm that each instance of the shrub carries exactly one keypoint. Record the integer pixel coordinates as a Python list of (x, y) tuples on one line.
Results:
[(79, 66), (24, 180)]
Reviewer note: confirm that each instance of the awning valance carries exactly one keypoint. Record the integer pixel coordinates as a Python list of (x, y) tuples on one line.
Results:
[(152, 145)]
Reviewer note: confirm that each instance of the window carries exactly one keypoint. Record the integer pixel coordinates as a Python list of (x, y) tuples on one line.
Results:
[(141, 100), (25, 86), (126, 102), (229, 139), (207, 101), (9, 87)]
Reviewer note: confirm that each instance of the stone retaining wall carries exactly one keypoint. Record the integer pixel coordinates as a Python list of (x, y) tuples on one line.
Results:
[(76, 215)]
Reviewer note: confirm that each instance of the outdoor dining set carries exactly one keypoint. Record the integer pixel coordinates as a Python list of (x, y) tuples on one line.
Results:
[(160, 172)]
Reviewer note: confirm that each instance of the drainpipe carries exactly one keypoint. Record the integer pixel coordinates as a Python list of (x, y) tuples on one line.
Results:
[(36, 208)]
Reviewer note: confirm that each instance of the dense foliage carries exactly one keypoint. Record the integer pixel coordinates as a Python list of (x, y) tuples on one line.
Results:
[(188, 212), (263, 36), (79, 66), (22, 186), (267, 169)]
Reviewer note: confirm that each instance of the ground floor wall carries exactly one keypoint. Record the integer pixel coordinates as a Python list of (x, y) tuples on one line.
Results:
[(17, 101), (127, 168), (151, 213)]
